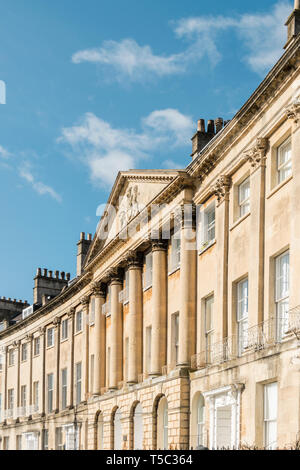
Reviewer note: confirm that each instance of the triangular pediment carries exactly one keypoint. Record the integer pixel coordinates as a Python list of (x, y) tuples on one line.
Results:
[(132, 192)]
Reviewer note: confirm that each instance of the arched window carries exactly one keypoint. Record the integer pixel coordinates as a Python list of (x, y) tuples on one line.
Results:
[(117, 430), (138, 428), (162, 424), (200, 421), (197, 432)]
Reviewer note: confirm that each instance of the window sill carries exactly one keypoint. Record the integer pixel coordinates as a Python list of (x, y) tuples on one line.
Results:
[(239, 221), (279, 186), (174, 270), (50, 347), (202, 250), (77, 332), (64, 340)]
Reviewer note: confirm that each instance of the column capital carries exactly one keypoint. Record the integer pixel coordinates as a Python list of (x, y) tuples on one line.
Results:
[(29, 337), (57, 321), (134, 260), (293, 111), (71, 313), (115, 275), (85, 300), (257, 154), (42, 330), (16, 344), (99, 289), (159, 245), (221, 188)]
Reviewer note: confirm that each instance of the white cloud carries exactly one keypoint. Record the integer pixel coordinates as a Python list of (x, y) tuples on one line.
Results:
[(41, 188), (170, 164), (130, 59), (262, 35), (106, 150), (171, 120), (4, 153)]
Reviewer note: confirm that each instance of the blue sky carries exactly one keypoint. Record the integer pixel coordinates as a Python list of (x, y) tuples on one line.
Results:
[(95, 86)]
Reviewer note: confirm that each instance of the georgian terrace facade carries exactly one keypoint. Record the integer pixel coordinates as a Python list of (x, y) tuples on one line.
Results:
[(175, 342)]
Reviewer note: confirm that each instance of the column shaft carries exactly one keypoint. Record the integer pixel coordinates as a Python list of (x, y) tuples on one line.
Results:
[(159, 308), (135, 359), (116, 369), (187, 313), (100, 342)]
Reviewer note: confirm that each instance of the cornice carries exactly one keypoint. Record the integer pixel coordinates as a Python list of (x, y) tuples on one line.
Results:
[(78, 285)]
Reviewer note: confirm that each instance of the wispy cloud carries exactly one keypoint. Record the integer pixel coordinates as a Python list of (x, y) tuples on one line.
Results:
[(25, 172), (106, 150), (262, 35), (4, 153)]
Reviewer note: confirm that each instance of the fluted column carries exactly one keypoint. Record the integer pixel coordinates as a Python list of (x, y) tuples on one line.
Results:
[(221, 190), (86, 330), (135, 359), (293, 113), (116, 335), (159, 307), (56, 323), (188, 266), (257, 158), (99, 292)]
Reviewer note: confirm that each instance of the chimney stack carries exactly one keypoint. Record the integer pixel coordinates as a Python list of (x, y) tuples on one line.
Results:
[(45, 285), (293, 24), (82, 249), (202, 137)]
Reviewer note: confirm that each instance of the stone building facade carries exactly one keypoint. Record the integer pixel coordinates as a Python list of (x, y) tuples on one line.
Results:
[(182, 326)]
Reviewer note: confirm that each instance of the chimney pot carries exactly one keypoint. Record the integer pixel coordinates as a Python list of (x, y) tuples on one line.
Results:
[(210, 127), (219, 124), (57, 274), (201, 125), (89, 237), (62, 275), (82, 236), (45, 272), (38, 272), (50, 273), (68, 277)]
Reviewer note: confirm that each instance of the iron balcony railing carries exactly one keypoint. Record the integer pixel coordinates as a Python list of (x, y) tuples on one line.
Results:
[(124, 296), (256, 338)]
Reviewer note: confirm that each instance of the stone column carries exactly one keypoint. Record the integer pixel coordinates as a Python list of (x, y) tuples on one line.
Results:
[(188, 266), (99, 291), (71, 317), (56, 323), (116, 335), (43, 336), (85, 301), (18, 345), (159, 307), (5, 377), (30, 340), (135, 359), (293, 113), (257, 158), (221, 190)]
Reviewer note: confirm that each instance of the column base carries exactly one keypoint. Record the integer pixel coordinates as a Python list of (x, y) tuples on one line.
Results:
[(152, 375)]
